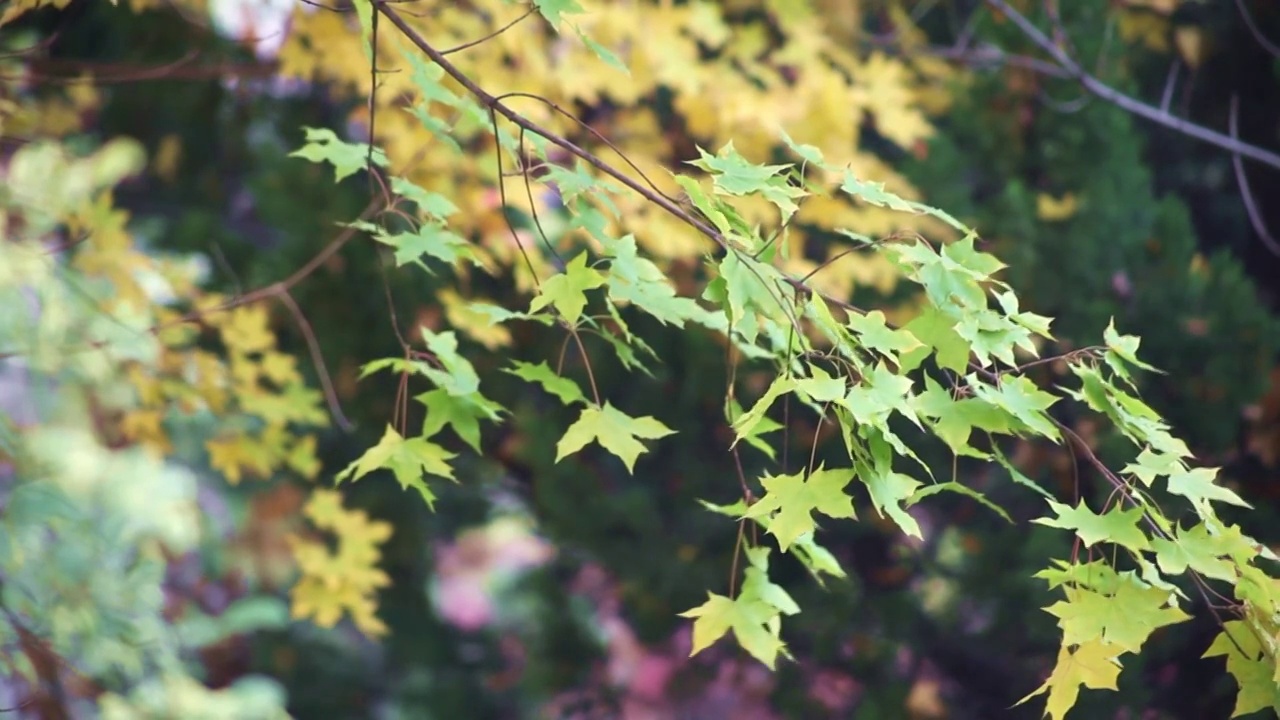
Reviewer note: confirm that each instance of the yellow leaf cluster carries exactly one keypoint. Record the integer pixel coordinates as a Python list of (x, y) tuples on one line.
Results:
[(808, 83), (345, 580)]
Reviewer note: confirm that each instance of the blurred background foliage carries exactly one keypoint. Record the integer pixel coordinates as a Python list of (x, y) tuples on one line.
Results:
[(539, 589)]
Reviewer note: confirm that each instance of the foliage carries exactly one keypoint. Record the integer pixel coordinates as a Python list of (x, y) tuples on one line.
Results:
[(528, 237)]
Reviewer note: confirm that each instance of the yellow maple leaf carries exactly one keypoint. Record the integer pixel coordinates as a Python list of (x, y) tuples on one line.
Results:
[(1053, 209), (237, 455), (1092, 665), (246, 330), (334, 584)]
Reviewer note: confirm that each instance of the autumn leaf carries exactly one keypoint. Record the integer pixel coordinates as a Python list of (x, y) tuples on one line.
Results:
[(1092, 665)]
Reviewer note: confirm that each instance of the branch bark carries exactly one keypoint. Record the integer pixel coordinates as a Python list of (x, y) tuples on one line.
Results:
[(1091, 83)]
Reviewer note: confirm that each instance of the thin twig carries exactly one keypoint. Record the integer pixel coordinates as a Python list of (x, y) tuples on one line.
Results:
[(490, 36), (1256, 31), (326, 383)]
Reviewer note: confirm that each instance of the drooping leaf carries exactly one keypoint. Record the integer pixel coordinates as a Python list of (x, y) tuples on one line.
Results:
[(408, 459), (562, 387), (790, 500), (616, 432)]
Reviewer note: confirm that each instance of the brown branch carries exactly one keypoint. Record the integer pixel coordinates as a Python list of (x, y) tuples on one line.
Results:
[(1132, 105), (317, 358)]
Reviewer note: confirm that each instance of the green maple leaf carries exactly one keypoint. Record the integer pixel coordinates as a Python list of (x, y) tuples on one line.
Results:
[(965, 255), (1092, 665), (795, 498), (733, 411), (746, 294), (877, 335), (889, 489), (754, 616), (1124, 346), (347, 158), (1197, 486), (821, 387), (1124, 619), (955, 420), (562, 387), (463, 414), (881, 393), (746, 423), (454, 374), (1254, 671), (749, 620), (553, 10), (430, 239), (732, 174), (1195, 549), (566, 291), (874, 193), (616, 432), (1020, 397), (408, 459), (432, 203), (808, 153), (636, 280), (1096, 575), (602, 52), (1150, 465), (1115, 526)]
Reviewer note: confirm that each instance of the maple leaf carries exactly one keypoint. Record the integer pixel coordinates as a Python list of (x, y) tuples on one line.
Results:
[(1254, 671), (462, 413), (562, 387), (430, 239), (1023, 400), (747, 619), (553, 10), (820, 387), (347, 158), (746, 423), (889, 489), (616, 432), (246, 330), (955, 420), (408, 459), (877, 335), (1092, 664), (1116, 526), (636, 280), (754, 616), (566, 291), (431, 203), (1124, 619), (456, 375), (1197, 486), (735, 175), (790, 500), (1196, 549)]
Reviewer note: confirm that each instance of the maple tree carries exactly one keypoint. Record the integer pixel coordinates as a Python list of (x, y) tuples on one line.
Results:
[(733, 258)]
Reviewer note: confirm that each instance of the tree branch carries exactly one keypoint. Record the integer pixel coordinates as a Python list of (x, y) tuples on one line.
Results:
[(1095, 86)]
